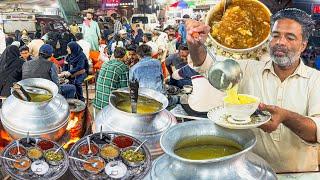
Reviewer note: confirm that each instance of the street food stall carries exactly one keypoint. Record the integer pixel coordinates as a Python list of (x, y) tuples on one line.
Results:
[(45, 136)]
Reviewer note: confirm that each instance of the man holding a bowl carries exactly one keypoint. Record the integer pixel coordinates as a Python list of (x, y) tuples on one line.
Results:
[(289, 89)]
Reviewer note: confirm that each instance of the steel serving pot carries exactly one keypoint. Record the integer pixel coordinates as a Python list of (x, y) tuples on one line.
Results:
[(242, 165), (148, 126), (47, 119)]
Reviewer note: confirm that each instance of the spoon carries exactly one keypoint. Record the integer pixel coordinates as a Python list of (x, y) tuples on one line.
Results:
[(18, 148), (9, 159), (100, 132), (88, 141), (94, 164), (60, 147), (140, 146)]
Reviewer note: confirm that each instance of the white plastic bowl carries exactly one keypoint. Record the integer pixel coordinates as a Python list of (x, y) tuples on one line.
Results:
[(242, 112)]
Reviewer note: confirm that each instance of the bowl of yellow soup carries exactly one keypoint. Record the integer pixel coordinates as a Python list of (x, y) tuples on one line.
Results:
[(241, 107)]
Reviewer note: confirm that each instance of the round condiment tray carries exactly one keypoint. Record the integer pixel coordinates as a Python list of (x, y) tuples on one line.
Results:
[(110, 156), (219, 116), (38, 166)]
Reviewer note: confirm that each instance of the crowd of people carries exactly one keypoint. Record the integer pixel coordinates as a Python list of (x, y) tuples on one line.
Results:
[(108, 52)]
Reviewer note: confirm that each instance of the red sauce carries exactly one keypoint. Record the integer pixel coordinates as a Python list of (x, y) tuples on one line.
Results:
[(14, 151), (123, 141), (45, 145), (84, 149)]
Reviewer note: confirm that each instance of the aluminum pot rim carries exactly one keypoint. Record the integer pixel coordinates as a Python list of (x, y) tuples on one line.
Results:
[(142, 91), (207, 22), (53, 89), (208, 122)]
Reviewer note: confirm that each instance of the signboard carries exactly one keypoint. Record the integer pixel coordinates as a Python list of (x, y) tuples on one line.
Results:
[(316, 9), (112, 3)]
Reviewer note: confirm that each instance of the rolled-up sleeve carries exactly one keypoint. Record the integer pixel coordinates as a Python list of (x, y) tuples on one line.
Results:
[(314, 102)]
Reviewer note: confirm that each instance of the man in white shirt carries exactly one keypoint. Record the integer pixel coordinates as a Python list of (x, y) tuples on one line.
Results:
[(83, 44), (147, 39), (288, 88)]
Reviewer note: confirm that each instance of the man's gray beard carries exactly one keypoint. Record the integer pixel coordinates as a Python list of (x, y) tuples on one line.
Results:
[(283, 61)]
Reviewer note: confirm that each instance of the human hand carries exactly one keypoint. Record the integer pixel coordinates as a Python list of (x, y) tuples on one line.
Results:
[(278, 115), (196, 31)]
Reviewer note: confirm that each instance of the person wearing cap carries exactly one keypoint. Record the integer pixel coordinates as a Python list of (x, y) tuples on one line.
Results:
[(288, 88), (42, 67)]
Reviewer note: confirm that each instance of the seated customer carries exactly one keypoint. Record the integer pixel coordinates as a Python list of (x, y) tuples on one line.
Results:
[(25, 53), (113, 75), (148, 70), (177, 61), (77, 67), (42, 67)]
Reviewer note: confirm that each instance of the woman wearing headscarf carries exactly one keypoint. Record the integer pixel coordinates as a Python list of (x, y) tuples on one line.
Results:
[(77, 67), (10, 69)]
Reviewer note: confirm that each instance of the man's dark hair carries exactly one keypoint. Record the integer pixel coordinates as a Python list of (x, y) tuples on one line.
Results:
[(183, 47), (79, 36), (119, 52), (90, 13), (132, 47), (37, 35), (297, 15), (144, 50), (148, 36), (114, 15), (9, 40), (24, 48), (186, 16)]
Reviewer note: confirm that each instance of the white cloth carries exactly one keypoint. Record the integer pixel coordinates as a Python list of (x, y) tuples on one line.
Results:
[(2, 41), (34, 47), (103, 56), (116, 44), (283, 149), (154, 47), (204, 97), (86, 46)]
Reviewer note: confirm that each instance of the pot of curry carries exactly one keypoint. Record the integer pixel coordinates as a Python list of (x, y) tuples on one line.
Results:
[(243, 27), (150, 121), (201, 150), (44, 115)]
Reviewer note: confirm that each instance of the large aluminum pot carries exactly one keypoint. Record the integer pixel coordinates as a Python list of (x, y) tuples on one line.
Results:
[(142, 127), (217, 9), (242, 165), (47, 119)]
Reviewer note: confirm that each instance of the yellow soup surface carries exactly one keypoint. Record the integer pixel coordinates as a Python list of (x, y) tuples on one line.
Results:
[(234, 98)]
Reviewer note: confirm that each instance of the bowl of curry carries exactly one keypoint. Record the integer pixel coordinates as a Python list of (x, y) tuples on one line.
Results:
[(243, 27)]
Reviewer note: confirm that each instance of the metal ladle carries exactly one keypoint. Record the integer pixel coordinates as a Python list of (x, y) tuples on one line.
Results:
[(223, 75)]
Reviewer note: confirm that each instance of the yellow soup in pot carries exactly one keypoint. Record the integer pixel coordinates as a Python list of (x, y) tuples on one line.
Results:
[(206, 147)]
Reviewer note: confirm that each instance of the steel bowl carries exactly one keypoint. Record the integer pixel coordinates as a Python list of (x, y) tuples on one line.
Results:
[(130, 163)]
